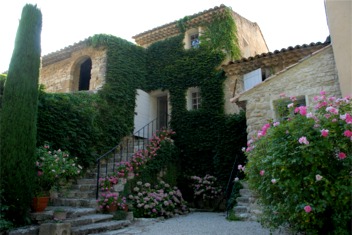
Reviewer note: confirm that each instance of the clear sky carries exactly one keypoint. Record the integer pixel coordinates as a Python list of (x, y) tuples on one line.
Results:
[(283, 23)]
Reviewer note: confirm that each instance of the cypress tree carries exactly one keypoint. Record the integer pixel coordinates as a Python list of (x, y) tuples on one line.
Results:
[(18, 118)]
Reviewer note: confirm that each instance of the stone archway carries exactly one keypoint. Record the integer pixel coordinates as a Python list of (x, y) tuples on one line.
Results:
[(81, 74)]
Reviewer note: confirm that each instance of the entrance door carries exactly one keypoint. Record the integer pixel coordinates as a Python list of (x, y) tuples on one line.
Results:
[(162, 118)]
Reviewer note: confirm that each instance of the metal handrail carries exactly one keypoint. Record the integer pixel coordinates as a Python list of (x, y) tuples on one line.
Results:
[(141, 137), (228, 186)]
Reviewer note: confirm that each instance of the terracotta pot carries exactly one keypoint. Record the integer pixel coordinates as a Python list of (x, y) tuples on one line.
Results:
[(39, 203), (111, 208)]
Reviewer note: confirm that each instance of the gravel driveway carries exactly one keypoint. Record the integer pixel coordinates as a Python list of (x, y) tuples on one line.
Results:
[(196, 223)]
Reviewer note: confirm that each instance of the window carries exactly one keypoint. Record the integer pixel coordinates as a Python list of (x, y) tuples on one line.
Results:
[(282, 111), (195, 40), (193, 98)]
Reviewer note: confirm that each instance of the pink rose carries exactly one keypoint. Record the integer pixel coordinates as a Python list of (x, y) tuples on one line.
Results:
[(303, 140), (347, 133), (273, 181), (341, 155), (324, 132), (262, 172), (307, 209)]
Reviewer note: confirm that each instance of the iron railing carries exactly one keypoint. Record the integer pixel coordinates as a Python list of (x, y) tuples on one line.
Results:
[(230, 187), (124, 151)]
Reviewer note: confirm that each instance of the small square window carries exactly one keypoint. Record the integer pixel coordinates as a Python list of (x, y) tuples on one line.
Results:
[(282, 111)]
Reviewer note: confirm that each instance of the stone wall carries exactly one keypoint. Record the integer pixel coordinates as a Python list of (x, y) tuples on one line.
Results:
[(250, 38), (61, 73), (306, 78)]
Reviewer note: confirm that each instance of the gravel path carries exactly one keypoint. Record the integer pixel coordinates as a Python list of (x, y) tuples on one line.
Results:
[(196, 223)]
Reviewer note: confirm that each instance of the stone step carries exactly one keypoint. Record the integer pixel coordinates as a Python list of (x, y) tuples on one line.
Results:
[(89, 219), (87, 181), (245, 192), (244, 216), (240, 209), (72, 212), (78, 194), (99, 227), (243, 200), (74, 202), (84, 187)]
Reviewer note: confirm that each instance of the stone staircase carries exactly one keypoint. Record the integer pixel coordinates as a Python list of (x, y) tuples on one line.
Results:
[(79, 221), (247, 208)]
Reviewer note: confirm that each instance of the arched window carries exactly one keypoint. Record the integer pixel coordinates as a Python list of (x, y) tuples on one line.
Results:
[(81, 74), (84, 75)]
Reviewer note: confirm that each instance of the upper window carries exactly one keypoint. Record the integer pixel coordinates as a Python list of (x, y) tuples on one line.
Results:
[(193, 98), (195, 40), (192, 38)]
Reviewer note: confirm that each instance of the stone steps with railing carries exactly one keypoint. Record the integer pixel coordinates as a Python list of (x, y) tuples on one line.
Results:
[(247, 208)]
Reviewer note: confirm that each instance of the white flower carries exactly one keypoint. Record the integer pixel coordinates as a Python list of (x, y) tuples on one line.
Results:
[(273, 181), (318, 177)]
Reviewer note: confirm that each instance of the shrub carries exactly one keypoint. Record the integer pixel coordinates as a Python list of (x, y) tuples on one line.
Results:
[(160, 200), (301, 168), (54, 168), (206, 187)]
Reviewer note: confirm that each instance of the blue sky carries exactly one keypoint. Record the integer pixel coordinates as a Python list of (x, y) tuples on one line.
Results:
[(283, 22)]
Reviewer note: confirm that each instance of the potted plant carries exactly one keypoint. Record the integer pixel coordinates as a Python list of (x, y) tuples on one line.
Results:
[(54, 168), (111, 202)]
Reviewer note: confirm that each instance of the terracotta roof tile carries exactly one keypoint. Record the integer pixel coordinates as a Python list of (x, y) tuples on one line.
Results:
[(289, 55)]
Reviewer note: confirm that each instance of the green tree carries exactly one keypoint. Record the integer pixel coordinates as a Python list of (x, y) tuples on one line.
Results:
[(19, 116)]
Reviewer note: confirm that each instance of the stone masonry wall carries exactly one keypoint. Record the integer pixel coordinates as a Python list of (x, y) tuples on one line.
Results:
[(63, 75), (306, 78)]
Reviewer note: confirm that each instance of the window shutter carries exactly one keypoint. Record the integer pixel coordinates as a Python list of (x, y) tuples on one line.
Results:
[(251, 79)]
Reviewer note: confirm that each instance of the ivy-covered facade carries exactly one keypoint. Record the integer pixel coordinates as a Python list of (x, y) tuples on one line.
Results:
[(173, 72)]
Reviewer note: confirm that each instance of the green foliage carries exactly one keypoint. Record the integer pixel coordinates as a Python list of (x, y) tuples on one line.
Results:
[(69, 121), (221, 34), (229, 147), (200, 133), (4, 223), (54, 168), (235, 193), (19, 116), (89, 124), (165, 165), (301, 169), (125, 73), (2, 86)]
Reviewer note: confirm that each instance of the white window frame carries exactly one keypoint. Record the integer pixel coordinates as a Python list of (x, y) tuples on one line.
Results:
[(191, 105)]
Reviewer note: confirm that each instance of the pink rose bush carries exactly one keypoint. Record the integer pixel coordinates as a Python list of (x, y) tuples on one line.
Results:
[(301, 168)]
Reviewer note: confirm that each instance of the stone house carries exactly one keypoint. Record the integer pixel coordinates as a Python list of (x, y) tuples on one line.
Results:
[(302, 71), (82, 67)]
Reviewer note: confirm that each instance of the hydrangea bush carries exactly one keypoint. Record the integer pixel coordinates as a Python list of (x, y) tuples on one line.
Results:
[(160, 200), (54, 168), (301, 168), (206, 187)]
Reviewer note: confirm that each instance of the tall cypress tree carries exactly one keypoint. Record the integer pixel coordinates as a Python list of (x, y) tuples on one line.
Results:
[(18, 117)]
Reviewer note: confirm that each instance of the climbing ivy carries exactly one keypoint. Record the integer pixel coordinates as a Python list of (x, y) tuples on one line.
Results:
[(199, 133), (124, 74)]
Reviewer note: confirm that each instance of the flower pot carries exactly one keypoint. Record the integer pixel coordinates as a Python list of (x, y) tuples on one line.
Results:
[(111, 208), (39, 203)]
